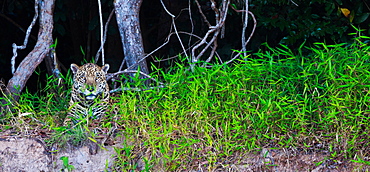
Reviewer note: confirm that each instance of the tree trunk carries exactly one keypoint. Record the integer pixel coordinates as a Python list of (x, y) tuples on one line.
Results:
[(127, 14), (35, 57)]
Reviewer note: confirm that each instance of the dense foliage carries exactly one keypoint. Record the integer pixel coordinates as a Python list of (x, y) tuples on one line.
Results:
[(274, 98), (292, 22)]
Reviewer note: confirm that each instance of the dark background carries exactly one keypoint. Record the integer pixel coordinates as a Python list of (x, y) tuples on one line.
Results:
[(77, 28)]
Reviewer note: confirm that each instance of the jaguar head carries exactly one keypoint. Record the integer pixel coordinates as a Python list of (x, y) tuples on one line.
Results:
[(89, 81)]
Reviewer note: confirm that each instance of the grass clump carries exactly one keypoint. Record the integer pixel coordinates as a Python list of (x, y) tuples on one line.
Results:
[(210, 117), (274, 99)]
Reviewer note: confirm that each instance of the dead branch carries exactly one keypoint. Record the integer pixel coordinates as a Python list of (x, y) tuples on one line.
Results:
[(214, 31), (134, 89), (245, 24), (104, 37), (294, 3), (250, 36), (101, 33), (15, 47), (174, 27), (202, 14), (220, 16), (111, 75), (17, 25), (41, 49), (190, 46), (191, 22)]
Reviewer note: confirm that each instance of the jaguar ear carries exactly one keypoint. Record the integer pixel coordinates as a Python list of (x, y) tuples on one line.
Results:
[(74, 68), (105, 68)]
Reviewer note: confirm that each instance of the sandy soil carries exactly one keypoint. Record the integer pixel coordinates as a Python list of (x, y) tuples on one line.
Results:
[(30, 154)]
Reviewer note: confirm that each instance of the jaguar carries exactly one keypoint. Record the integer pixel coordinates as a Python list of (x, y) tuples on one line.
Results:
[(90, 92)]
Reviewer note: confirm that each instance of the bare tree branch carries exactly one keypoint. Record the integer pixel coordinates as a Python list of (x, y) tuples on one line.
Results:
[(105, 36), (213, 32), (101, 33), (41, 49), (175, 28), (134, 89), (191, 22), (201, 13), (245, 24), (15, 47), (250, 36), (294, 3), (17, 25), (111, 75), (190, 46), (220, 15)]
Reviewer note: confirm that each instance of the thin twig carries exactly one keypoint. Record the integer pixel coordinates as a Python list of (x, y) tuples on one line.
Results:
[(366, 5), (224, 13), (134, 89), (167, 41), (111, 75), (174, 27), (56, 72), (215, 45), (190, 46), (245, 24), (169, 58), (212, 29), (15, 47), (294, 3), (105, 36), (221, 20), (214, 41), (127, 70), (217, 12), (201, 13), (191, 22), (17, 25), (220, 15), (254, 27), (250, 36), (101, 32)]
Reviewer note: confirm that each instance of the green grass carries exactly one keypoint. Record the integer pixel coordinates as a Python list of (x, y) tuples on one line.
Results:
[(277, 98)]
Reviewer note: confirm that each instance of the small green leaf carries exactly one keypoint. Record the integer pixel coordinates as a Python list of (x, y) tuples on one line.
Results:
[(93, 140), (361, 18)]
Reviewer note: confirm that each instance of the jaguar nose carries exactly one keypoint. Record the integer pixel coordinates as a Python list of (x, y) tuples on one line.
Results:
[(90, 88)]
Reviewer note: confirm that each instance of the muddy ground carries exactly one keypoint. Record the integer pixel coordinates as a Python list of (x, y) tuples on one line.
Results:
[(19, 154)]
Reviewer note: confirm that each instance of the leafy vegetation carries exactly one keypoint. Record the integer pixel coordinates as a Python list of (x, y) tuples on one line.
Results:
[(282, 22), (66, 164), (271, 99)]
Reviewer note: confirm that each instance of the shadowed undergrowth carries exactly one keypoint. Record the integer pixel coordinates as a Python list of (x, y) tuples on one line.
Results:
[(211, 116)]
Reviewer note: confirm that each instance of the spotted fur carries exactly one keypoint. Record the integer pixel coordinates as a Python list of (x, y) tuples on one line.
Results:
[(90, 91)]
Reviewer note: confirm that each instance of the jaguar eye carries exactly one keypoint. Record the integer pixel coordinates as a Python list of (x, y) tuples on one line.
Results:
[(81, 74)]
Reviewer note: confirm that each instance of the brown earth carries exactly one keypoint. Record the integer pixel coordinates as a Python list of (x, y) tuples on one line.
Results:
[(30, 154)]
